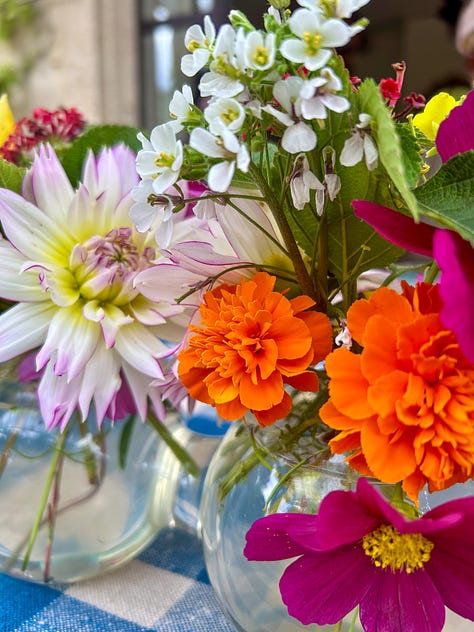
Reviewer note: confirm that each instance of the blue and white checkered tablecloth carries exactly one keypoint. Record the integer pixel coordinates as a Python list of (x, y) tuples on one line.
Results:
[(164, 589)]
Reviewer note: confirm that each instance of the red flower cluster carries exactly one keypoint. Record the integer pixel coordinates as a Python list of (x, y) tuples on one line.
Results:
[(61, 125)]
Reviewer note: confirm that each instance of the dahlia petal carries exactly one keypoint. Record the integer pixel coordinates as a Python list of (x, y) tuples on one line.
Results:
[(456, 133), (57, 398), (140, 387), (31, 231), (49, 185), (455, 258), (402, 602), (16, 285), (139, 347), (322, 587), (100, 381), (397, 228), (271, 538), (23, 327)]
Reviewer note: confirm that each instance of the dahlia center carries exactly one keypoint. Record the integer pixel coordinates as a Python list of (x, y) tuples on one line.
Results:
[(388, 548)]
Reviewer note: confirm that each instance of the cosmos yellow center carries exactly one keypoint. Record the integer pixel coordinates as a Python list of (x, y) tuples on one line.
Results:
[(389, 548), (312, 41)]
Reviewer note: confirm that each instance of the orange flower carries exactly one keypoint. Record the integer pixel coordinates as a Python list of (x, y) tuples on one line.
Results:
[(405, 405), (251, 342)]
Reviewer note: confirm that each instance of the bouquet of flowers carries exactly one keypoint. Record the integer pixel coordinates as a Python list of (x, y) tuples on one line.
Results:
[(259, 254)]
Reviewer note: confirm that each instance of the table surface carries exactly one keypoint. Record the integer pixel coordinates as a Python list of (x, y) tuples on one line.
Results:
[(164, 589)]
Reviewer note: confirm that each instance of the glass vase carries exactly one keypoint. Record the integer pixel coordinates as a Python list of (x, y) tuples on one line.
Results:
[(254, 472), (77, 503)]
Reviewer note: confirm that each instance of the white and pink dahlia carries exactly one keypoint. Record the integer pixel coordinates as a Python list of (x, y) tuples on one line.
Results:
[(69, 261)]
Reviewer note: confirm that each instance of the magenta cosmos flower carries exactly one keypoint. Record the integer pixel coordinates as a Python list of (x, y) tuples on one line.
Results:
[(453, 254), (360, 551), (69, 262)]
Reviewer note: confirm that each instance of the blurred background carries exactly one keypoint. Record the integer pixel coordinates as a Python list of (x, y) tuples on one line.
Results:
[(118, 61)]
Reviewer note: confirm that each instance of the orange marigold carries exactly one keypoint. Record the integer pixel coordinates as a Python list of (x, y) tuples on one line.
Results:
[(405, 405), (252, 341)]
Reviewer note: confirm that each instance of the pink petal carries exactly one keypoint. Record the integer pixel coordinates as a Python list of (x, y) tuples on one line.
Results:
[(271, 538), (455, 257), (456, 133), (451, 568), (397, 228), (402, 602), (323, 587)]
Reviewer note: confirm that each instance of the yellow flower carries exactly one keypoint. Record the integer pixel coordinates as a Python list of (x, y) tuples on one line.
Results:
[(436, 110), (7, 122)]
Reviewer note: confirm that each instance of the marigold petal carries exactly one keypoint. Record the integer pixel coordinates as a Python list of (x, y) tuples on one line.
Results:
[(333, 417), (306, 381), (292, 336), (231, 411), (390, 460), (263, 395), (387, 390), (348, 387), (320, 328), (281, 410), (193, 380)]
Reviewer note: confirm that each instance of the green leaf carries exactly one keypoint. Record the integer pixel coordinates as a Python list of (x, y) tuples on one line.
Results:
[(125, 436), (11, 176), (388, 143), (186, 460), (95, 138), (412, 160), (448, 197)]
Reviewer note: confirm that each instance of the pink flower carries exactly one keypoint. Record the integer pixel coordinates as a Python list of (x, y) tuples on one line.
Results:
[(360, 551)]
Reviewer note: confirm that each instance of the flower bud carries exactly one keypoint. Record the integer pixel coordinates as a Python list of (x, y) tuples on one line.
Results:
[(279, 4)]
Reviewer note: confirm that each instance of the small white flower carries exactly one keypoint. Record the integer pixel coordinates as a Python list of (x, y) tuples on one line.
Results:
[(259, 51), (180, 106), (316, 36), (225, 146), (344, 338), (227, 56), (275, 13), (345, 8), (298, 137), (199, 44), (360, 145), (317, 96), (302, 181), (224, 114), (161, 157), (331, 180)]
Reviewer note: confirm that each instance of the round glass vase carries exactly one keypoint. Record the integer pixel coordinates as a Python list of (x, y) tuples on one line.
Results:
[(254, 472), (77, 503)]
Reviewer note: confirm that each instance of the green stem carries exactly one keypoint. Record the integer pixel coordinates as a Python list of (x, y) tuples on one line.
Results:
[(302, 274), (44, 498), (180, 453), (89, 458), (10, 442)]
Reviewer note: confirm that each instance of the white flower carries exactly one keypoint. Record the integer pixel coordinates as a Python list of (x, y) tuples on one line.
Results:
[(360, 145), (260, 51), (302, 181), (161, 157), (199, 44), (345, 8), (179, 106), (227, 58), (153, 210), (224, 114), (316, 36), (275, 13), (298, 137), (317, 95), (226, 146)]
